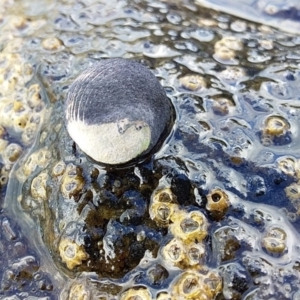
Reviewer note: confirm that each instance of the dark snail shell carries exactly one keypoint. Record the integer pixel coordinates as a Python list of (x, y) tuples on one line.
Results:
[(117, 111)]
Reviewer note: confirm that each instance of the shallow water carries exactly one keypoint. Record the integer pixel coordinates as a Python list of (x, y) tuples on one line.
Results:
[(227, 222)]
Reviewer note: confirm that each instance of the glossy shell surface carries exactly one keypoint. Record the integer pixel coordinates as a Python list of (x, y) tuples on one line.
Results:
[(116, 110)]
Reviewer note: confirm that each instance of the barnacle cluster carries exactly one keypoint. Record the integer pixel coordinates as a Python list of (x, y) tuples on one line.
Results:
[(291, 166), (22, 109), (20, 25), (193, 285), (188, 229), (35, 161), (186, 249), (183, 255), (22, 106), (72, 181)]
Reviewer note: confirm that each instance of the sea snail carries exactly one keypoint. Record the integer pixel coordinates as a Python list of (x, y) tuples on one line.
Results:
[(117, 111)]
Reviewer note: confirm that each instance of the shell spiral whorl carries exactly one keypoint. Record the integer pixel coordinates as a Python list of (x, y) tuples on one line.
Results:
[(117, 111)]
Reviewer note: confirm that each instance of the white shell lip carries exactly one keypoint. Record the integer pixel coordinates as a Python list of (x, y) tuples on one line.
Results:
[(106, 143)]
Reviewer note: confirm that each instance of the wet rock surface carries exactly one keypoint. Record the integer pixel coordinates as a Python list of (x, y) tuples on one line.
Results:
[(215, 209), (21, 272)]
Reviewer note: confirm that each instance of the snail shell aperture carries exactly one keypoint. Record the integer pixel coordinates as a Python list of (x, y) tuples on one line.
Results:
[(117, 111)]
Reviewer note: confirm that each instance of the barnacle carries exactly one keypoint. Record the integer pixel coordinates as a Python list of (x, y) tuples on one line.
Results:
[(136, 294), (58, 169), (51, 44), (231, 75), (217, 202), (221, 105), (163, 206), (229, 42), (157, 275), (194, 253), (34, 95), (289, 166), (275, 131), (193, 82), (274, 241), (276, 126), (18, 106), (29, 133), (20, 121), (293, 191), (225, 49), (224, 54), (164, 195), (189, 285), (40, 158), (39, 186), (293, 194), (71, 253), (72, 182), (162, 212), (4, 173), (190, 226), (174, 252), (212, 284), (12, 152), (78, 292), (18, 22), (181, 254)]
